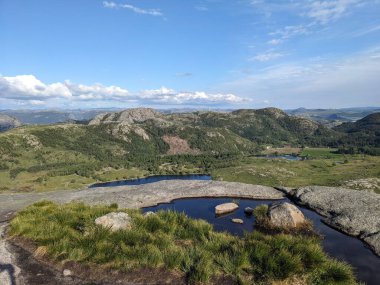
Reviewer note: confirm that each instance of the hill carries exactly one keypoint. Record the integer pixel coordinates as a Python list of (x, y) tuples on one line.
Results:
[(139, 142), (8, 122), (263, 126), (364, 132)]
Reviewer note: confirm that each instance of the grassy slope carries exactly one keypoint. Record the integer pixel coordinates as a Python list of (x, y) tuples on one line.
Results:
[(174, 242), (326, 168)]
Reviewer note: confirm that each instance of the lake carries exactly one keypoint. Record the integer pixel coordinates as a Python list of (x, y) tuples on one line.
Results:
[(151, 179)]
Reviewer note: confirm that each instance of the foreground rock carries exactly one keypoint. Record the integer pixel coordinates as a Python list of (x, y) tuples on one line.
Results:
[(226, 208), (356, 213), (237, 221), (115, 221), (285, 215), (9, 272)]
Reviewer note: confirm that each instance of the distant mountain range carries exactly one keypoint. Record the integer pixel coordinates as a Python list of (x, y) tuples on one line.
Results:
[(46, 117), (327, 117), (334, 117)]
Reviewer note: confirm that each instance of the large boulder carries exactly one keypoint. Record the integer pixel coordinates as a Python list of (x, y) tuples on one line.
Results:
[(225, 208), (115, 221), (285, 215)]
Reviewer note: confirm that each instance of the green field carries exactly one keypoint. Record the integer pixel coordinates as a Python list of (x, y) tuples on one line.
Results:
[(325, 168)]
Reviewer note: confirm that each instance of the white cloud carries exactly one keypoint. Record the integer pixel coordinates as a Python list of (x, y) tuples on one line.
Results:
[(274, 42), (267, 56), (151, 12), (291, 31), (366, 31), (321, 82), (28, 90), (28, 87), (327, 11), (167, 95)]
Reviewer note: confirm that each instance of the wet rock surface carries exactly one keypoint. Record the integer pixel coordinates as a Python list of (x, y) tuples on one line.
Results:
[(356, 213)]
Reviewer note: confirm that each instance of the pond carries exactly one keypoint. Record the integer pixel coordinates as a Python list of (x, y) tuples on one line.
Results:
[(151, 179), (282, 156), (366, 264)]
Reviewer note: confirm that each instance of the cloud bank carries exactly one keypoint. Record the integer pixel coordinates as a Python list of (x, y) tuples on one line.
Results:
[(29, 90)]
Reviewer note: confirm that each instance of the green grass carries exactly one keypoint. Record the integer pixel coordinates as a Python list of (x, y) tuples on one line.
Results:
[(319, 171), (174, 242)]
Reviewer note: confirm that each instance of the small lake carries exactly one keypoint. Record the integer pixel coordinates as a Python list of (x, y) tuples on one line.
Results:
[(283, 156), (151, 179), (343, 247)]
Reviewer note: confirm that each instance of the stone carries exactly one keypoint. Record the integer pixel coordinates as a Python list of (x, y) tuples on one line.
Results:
[(285, 215), (149, 213), (115, 221), (237, 221), (353, 212), (225, 208), (248, 210), (67, 272)]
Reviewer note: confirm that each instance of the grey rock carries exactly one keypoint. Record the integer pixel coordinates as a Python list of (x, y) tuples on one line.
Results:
[(248, 210), (67, 272), (285, 215), (356, 213), (237, 221), (225, 208), (115, 221), (8, 122), (149, 213), (130, 116)]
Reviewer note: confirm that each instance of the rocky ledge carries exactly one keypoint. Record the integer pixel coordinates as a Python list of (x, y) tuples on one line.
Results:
[(353, 212), (141, 195)]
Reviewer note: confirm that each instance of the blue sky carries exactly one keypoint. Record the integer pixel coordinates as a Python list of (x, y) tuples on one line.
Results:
[(202, 53)]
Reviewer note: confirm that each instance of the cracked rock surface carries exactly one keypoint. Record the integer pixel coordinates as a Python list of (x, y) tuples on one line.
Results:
[(353, 212)]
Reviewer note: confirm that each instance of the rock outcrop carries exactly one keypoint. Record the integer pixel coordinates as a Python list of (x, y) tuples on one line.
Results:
[(356, 213), (225, 208), (130, 116), (285, 215), (8, 122), (115, 221)]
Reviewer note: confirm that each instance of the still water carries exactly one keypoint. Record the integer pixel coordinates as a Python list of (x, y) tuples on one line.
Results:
[(151, 179)]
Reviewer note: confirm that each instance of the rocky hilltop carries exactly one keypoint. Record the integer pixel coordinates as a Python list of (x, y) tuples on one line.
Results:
[(8, 122), (130, 116)]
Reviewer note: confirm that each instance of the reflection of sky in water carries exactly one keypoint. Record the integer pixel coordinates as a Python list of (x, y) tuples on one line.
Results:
[(337, 244), (152, 179)]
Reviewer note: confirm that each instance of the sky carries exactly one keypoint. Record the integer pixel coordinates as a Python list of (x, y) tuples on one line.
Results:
[(189, 54)]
